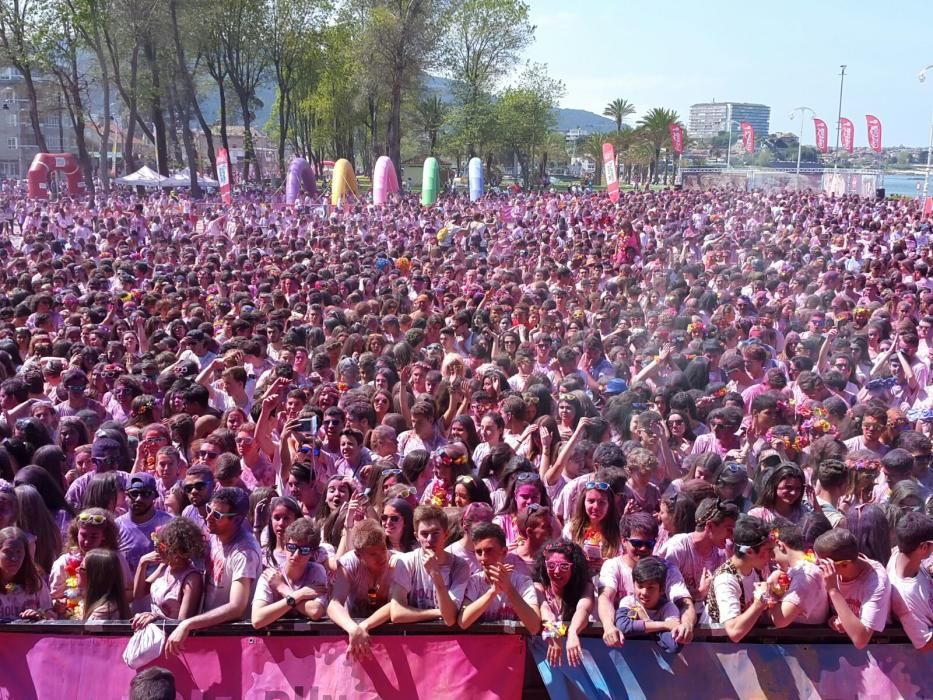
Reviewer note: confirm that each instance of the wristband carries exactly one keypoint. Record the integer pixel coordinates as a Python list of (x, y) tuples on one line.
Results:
[(553, 630)]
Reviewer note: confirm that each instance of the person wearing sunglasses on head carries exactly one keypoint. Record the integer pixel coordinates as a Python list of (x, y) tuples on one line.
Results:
[(198, 486), (498, 593), (639, 532), (299, 587), (235, 564)]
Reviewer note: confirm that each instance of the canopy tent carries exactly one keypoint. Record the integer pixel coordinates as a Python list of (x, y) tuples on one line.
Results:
[(146, 177), (182, 179)]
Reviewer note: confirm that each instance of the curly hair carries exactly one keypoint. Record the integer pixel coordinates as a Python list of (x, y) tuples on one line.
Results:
[(579, 574), (109, 526), (181, 536)]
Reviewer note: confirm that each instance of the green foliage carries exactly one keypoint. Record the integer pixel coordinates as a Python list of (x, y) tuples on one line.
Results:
[(619, 109)]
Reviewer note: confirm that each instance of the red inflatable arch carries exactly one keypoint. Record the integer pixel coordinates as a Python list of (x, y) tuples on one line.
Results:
[(44, 164)]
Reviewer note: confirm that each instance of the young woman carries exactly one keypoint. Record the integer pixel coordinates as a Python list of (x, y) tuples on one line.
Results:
[(283, 511), (524, 489), (382, 404), (449, 463), (24, 594), (52, 495), (34, 518), (337, 492), (491, 430), (569, 413), (104, 586), (681, 436), (536, 527), (563, 583), (397, 519), (470, 489), (595, 525), (176, 585), (493, 465), (782, 495)]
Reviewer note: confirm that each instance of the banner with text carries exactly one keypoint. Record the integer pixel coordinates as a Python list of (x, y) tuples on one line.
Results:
[(609, 166), (487, 667), (677, 138), (748, 137), (847, 134), (874, 132), (822, 135), (713, 670), (223, 175)]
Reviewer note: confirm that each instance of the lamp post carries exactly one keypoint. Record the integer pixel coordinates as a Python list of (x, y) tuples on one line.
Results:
[(842, 79), (803, 113), (922, 76), (729, 127)]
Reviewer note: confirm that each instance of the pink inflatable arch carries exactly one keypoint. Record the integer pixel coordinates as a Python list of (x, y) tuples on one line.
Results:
[(44, 164), (300, 172)]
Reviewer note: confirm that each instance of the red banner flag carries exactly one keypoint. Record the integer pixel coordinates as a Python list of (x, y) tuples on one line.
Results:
[(223, 175), (822, 135), (677, 138), (874, 132), (748, 137), (847, 131), (609, 167)]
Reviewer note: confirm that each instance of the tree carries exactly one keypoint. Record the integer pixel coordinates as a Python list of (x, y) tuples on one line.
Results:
[(619, 109), (430, 117), (592, 147), (483, 42), (655, 130)]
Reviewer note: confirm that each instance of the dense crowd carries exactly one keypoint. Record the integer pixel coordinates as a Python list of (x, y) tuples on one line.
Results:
[(683, 408)]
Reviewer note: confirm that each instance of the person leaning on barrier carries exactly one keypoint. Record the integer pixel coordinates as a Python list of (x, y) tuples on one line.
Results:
[(911, 581)]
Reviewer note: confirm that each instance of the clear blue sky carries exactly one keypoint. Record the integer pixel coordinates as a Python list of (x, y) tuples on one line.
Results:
[(785, 55)]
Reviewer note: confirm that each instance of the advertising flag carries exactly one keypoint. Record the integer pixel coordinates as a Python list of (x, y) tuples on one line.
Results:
[(677, 138), (748, 137), (223, 175), (822, 135), (874, 132), (847, 134), (609, 167)]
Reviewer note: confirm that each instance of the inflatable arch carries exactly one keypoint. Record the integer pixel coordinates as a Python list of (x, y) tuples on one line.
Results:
[(44, 164), (343, 182), (385, 180), (300, 173)]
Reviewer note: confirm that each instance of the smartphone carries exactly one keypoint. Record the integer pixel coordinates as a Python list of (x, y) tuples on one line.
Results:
[(364, 497), (308, 425)]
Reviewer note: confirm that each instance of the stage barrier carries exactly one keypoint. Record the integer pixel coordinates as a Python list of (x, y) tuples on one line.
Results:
[(307, 661)]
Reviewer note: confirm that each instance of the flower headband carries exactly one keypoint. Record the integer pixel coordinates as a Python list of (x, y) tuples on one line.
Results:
[(446, 460), (864, 465)]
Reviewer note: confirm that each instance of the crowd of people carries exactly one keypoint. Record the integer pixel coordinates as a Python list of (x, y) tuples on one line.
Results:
[(684, 408)]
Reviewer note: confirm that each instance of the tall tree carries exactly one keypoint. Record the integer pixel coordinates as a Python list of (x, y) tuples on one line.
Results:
[(619, 109), (23, 27), (655, 129), (430, 117)]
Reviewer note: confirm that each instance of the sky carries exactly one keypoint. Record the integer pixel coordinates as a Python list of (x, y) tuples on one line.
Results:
[(785, 55)]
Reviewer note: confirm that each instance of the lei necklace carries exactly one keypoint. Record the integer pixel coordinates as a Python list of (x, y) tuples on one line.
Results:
[(440, 497), (72, 585), (592, 535)]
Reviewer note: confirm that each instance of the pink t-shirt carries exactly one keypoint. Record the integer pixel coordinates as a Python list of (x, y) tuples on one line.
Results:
[(681, 551), (869, 595)]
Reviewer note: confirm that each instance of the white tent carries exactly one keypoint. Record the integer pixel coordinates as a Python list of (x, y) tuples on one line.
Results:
[(181, 179), (146, 177)]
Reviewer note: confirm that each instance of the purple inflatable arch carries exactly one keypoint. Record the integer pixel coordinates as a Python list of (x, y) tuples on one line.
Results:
[(300, 172)]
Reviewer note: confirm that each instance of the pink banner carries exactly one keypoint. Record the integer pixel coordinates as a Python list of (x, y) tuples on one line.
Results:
[(487, 667), (847, 134), (822, 135), (748, 137), (609, 165), (223, 175), (874, 132), (677, 138)]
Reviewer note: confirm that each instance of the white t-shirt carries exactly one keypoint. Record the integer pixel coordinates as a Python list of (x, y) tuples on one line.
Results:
[(617, 575), (681, 551), (361, 582), (869, 595), (911, 602), (241, 558), (313, 576), (19, 600), (499, 609), (808, 592), (411, 577), (729, 594)]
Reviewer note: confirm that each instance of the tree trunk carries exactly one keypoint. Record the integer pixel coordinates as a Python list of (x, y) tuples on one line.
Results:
[(394, 131), (222, 96), (191, 100), (129, 135), (249, 150), (158, 118), (33, 109), (70, 85)]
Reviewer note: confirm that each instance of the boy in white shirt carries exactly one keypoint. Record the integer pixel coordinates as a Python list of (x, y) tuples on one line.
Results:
[(798, 582), (911, 582)]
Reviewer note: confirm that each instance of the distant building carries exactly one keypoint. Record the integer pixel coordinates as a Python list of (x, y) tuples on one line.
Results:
[(709, 118)]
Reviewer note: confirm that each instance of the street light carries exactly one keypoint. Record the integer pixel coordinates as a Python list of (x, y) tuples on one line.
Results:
[(922, 76), (803, 113)]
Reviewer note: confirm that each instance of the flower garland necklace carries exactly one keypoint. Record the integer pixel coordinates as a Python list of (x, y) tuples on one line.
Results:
[(592, 535), (440, 496), (73, 602)]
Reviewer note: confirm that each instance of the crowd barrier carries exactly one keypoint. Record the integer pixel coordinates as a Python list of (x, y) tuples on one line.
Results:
[(307, 661)]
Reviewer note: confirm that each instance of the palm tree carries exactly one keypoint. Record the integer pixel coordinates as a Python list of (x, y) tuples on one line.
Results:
[(655, 129), (592, 147), (619, 109), (431, 114)]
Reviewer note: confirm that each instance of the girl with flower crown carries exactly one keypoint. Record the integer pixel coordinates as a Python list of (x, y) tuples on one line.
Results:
[(94, 528), (24, 594), (449, 462), (595, 524)]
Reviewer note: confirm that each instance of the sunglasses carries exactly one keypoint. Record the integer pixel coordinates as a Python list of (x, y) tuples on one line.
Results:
[(211, 513), (598, 485), (76, 387), (526, 476), (304, 550), (389, 519), (205, 454), (642, 544), (140, 493), (406, 493), (244, 441), (558, 566), (196, 486), (465, 479), (394, 471), (91, 519), (104, 461)]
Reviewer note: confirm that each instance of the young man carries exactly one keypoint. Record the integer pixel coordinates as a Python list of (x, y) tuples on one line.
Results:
[(647, 610), (361, 586), (498, 593), (136, 526), (802, 596), (911, 582), (858, 587), (198, 486), (737, 598), (830, 483), (235, 564), (429, 583), (639, 535)]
